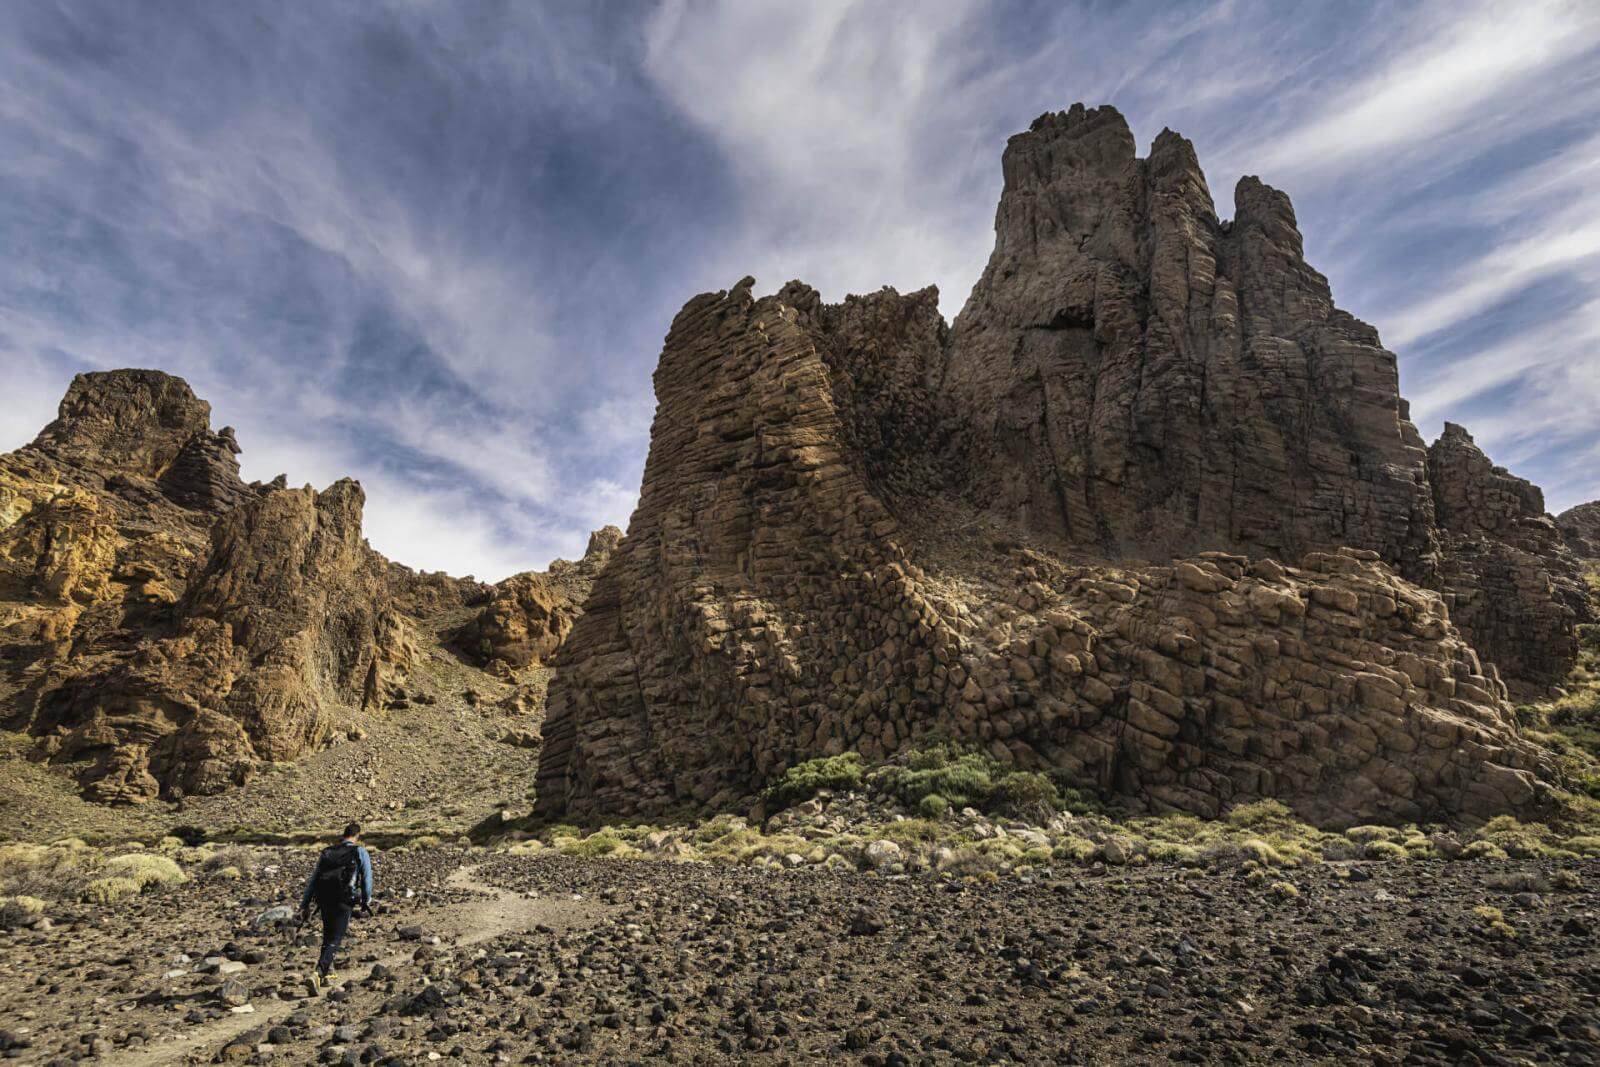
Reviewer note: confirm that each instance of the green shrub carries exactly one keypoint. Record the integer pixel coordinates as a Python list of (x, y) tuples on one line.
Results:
[(1076, 849), (965, 779), (1174, 852), (1026, 793), (554, 831), (19, 911), (109, 890), (1483, 850), (49, 873), (803, 781), (600, 843), (145, 869), (1384, 850), (934, 806), (1262, 813)]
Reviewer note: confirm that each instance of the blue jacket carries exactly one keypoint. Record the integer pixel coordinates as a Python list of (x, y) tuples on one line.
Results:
[(361, 890)]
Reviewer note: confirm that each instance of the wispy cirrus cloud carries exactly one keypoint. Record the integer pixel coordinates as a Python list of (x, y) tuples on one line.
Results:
[(436, 246)]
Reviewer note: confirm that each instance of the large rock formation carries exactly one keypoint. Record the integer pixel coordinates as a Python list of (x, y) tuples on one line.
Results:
[(1152, 381), (1509, 579), (165, 626), (527, 616), (858, 530)]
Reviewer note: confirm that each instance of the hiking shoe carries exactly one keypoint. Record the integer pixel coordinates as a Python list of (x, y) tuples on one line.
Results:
[(330, 980), (314, 985)]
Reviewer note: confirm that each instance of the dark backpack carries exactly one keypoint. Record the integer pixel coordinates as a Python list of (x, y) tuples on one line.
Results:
[(337, 870)]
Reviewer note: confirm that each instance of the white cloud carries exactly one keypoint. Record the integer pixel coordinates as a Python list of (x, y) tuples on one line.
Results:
[(828, 111), (1460, 58), (1563, 241), (1469, 375)]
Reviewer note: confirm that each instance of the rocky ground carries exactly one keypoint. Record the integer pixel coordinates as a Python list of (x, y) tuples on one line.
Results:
[(484, 957)]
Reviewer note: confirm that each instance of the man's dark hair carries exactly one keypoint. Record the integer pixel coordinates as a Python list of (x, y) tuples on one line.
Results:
[(353, 830)]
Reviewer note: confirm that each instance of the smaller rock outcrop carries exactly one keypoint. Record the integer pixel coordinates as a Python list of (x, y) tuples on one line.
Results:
[(1509, 579), (1580, 528), (286, 616), (529, 615)]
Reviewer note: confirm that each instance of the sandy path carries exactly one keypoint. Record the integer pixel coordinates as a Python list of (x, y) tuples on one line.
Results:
[(495, 912)]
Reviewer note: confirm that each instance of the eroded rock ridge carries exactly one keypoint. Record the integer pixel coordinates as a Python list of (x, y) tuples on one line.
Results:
[(167, 628)]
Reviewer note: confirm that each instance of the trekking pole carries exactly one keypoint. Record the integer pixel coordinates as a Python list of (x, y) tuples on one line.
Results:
[(292, 934)]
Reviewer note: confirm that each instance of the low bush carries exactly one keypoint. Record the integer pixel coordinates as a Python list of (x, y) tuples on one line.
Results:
[(1492, 923), (45, 872), (242, 859), (19, 911), (600, 843), (1026, 794), (1262, 813), (109, 890), (1364, 834), (1518, 882), (1585, 844), (965, 779), (1261, 852), (803, 781), (909, 831), (1384, 850), (934, 806), (145, 869), (1483, 850), (1076, 849)]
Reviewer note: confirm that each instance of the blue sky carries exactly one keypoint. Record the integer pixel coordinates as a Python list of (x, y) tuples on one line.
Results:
[(435, 245)]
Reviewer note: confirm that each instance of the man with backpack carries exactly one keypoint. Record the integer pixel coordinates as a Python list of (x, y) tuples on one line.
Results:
[(341, 880)]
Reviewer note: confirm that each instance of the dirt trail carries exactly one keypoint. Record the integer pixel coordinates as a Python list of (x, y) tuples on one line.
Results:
[(495, 912)]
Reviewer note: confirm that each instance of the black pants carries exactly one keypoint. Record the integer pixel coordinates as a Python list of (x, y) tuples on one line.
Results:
[(335, 921)]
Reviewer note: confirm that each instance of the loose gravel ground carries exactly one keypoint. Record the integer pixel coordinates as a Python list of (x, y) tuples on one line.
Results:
[(552, 959)]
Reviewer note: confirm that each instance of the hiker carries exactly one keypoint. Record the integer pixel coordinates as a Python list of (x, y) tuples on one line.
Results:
[(341, 880)]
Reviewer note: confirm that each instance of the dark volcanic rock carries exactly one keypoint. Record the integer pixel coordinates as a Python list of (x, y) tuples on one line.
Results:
[(858, 530), (767, 607), (1580, 527), (1512, 584), (1152, 381)]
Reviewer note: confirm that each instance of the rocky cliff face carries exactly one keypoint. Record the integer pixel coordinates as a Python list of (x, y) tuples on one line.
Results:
[(1580, 528), (167, 628), (1152, 512), (528, 616), (1149, 380), (1511, 582), (769, 605)]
